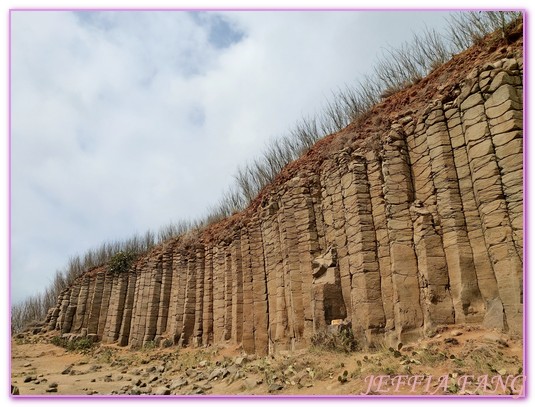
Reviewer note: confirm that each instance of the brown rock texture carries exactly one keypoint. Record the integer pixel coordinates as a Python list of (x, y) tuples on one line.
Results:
[(400, 226)]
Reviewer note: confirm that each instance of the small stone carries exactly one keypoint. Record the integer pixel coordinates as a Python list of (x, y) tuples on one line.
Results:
[(161, 391), (27, 364), (240, 360), (28, 379), (219, 372), (178, 383), (456, 333), (52, 390), (67, 370), (250, 383), (53, 385), (203, 363), (502, 372), (15, 391), (275, 387)]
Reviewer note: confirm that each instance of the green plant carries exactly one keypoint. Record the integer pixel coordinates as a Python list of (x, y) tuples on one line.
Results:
[(149, 345), (75, 345), (121, 261), (343, 377), (341, 341)]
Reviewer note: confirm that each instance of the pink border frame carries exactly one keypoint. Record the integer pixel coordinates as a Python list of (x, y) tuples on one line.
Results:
[(53, 398)]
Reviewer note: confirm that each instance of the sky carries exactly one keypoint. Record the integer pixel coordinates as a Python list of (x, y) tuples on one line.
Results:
[(126, 121)]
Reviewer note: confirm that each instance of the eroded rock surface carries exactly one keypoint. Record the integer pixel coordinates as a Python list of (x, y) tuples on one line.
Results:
[(423, 229)]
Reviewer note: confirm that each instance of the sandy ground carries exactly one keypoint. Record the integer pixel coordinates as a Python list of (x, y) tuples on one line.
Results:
[(461, 361)]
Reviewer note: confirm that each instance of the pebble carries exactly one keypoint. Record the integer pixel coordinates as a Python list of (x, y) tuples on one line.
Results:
[(161, 391), (275, 387)]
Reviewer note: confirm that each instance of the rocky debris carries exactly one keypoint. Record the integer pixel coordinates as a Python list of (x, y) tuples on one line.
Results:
[(67, 369), (27, 364), (218, 373), (240, 360), (28, 379), (52, 388), (497, 338), (15, 391), (178, 384), (451, 341)]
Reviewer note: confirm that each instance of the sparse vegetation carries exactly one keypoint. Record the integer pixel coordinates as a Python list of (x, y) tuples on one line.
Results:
[(342, 341), (396, 69), (121, 261), (75, 345)]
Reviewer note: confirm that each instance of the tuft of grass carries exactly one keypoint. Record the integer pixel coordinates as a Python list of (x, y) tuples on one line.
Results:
[(342, 341), (77, 345), (121, 262)]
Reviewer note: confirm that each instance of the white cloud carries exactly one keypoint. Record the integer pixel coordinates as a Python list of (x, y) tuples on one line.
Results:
[(126, 121)]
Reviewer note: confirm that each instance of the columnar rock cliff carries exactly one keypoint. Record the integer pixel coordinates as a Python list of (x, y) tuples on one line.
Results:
[(415, 223)]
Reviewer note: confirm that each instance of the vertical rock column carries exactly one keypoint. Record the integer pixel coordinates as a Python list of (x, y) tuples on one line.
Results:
[(188, 314), (503, 108), (227, 286), (237, 289), (179, 289), (275, 278), (399, 193), (52, 322), (424, 226), (467, 300), (377, 200), (290, 252), (63, 305), (490, 200), (208, 298), (248, 293), (71, 308), (165, 293), (482, 264), (116, 308), (309, 248), (368, 318), (219, 292), (199, 295), (142, 296), (334, 220), (153, 297), (260, 289), (81, 305), (124, 333)]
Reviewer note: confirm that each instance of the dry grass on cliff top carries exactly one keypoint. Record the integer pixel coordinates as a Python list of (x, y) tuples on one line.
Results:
[(438, 84)]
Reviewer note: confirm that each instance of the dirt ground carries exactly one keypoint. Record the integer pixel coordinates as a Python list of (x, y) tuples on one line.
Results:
[(460, 360)]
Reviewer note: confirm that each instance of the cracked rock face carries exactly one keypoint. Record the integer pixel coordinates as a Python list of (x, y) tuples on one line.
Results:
[(423, 230)]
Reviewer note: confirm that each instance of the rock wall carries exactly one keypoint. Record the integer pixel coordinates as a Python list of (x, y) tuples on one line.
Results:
[(418, 226)]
